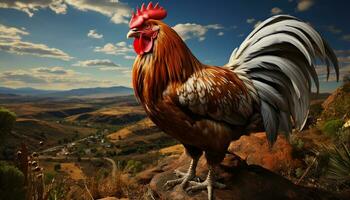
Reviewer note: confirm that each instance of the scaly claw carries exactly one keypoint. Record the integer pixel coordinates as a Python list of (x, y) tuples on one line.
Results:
[(179, 173), (208, 184), (185, 178), (182, 181)]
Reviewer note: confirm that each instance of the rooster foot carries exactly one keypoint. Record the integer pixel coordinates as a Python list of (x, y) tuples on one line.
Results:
[(184, 178), (208, 184)]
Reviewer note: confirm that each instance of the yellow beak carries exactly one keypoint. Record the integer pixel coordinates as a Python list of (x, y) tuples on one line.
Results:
[(132, 33)]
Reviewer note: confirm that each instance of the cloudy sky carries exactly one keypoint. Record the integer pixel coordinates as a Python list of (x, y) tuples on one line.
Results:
[(65, 44)]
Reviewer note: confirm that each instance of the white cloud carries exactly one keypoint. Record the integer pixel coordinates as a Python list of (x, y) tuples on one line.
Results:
[(342, 52), (191, 30), (93, 34), (346, 37), (322, 73), (250, 20), (30, 6), (276, 11), (96, 63), (21, 76), (50, 78), (11, 33), (344, 59), (120, 48), (221, 33), (109, 69), (11, 41), (129, 57), (117, 11), (333, 29), (53, 70), (304, 5), (38, 75)]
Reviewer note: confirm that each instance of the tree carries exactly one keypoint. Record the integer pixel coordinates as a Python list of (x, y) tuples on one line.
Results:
[(11, 182), (7, 121)]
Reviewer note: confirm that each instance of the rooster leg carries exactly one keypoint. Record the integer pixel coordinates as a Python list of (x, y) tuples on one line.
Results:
[(184, 177), (208, 184)]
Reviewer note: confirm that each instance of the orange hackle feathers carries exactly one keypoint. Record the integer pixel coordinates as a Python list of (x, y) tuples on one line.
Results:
[(153, 72)]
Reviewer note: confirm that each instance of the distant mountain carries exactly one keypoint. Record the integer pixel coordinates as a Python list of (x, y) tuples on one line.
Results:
[(97, 92), (93, 92), (24, 91)]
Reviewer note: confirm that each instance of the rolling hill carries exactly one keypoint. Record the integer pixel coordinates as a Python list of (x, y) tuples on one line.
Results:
[(97, 92)]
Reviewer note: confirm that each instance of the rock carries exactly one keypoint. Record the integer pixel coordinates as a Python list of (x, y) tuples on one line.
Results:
[(242, 181), (255, 150), (145, 176)]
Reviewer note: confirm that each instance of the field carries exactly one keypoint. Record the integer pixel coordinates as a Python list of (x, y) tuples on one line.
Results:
[(108, 147), (75, 137)]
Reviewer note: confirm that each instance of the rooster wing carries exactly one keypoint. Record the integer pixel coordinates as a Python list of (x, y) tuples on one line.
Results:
[(216, 94)]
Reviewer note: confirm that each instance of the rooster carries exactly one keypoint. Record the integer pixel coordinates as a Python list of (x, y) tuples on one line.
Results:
[(265, 85)]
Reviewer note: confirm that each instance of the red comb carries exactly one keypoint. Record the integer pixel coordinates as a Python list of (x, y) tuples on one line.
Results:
[(144, 14)]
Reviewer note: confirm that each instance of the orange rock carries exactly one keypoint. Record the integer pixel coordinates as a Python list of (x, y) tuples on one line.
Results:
[(255, 150)]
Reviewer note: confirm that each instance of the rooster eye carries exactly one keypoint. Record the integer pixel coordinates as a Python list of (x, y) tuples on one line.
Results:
[(147, 26)]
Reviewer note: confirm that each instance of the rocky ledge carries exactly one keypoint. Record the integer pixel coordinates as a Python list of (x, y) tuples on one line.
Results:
[(255, 180)]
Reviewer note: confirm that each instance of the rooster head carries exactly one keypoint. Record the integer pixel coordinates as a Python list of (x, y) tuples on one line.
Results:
[(144, 28)]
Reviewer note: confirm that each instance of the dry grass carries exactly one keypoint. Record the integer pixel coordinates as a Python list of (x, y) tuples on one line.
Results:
[(73, 171), (112, 111), (122, 110), (121, 134), (176, 149), (127, 131), (121, 187)]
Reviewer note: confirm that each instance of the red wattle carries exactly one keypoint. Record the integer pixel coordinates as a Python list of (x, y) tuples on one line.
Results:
[(143, 45), (137, 46)]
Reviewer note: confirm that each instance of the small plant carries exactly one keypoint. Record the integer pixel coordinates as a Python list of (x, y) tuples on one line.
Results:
[(56, 190), (299, 172), (34, 179), (332, 127), (134, 166), (344, 135), (49, 177), (339, 164), (296, 142)]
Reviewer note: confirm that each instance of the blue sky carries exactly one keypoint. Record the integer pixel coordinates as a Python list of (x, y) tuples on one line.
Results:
[(65, 44)]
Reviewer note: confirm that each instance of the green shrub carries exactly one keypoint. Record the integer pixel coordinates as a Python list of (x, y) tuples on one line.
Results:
[(7, 120), (297, 143), (11, 182), (331, 127), (49, 176), (134, 166)]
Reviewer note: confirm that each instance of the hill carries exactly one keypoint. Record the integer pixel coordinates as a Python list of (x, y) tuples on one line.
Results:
[(97, 92), (337, 105), (24, 91)]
